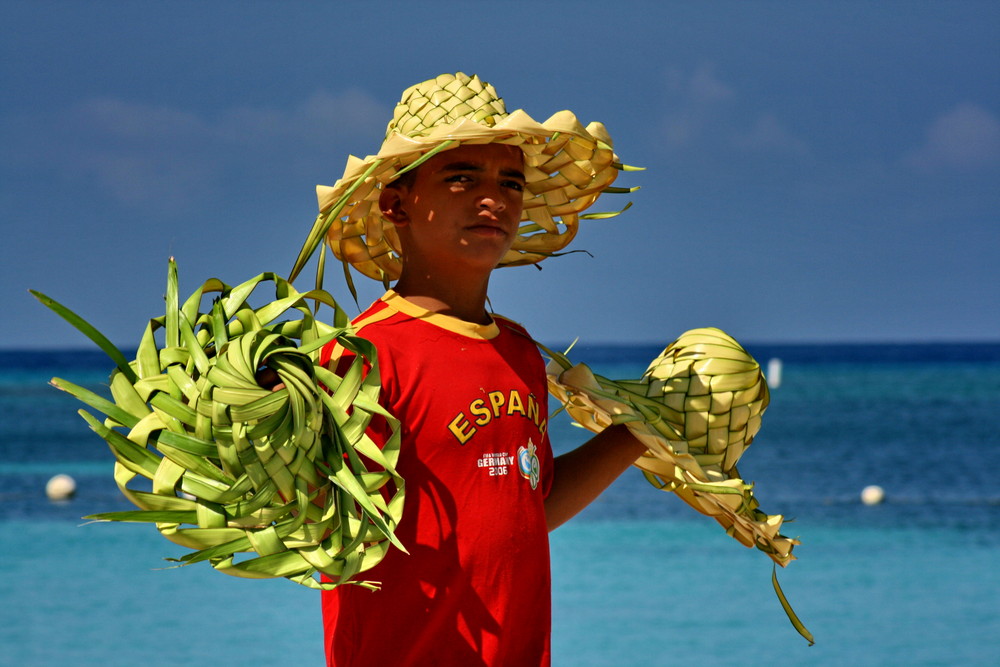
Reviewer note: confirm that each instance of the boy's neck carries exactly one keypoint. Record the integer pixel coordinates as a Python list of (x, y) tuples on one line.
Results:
[(465, 300)]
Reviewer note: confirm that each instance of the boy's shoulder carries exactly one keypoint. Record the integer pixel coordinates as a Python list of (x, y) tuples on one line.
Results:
[(506, 323), (379, 310)]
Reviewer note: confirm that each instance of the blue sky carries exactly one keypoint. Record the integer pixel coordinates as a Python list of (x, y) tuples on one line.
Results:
[(816, 171)]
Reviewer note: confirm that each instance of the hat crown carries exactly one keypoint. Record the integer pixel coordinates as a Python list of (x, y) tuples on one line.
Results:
[(446, 99)]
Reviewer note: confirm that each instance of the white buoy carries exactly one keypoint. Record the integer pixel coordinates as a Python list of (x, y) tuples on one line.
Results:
[(60, 487), (872, 495), (774, 373)]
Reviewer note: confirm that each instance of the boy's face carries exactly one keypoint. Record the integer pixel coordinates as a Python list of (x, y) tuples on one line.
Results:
[(461, 210)]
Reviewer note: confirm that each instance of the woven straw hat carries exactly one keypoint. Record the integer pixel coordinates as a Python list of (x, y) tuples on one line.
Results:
[(567, 166)]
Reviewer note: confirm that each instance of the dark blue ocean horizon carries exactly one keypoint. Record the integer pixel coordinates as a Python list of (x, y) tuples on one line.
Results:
[(90, 358)]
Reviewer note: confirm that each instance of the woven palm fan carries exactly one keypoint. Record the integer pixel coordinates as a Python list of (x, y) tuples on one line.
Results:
[(566, 166), (258, 482), (697, 408)]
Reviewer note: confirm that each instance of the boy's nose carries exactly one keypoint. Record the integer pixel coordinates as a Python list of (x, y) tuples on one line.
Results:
[(492, 202)]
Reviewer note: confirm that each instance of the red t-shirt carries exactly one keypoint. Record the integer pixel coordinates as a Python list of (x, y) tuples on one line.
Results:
[(475, 588)]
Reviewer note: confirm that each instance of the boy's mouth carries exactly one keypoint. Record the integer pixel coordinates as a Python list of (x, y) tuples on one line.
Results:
[(488, 229)]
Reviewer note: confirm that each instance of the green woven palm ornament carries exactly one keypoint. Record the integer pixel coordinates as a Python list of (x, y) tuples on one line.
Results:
[(258, 481), (567, 166), (697, 408)]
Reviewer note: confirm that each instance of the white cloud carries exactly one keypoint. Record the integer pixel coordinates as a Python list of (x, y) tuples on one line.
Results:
[(965, 138), (138, 153), (124, 121), (705, 111), (770, 134), (704, 88), (318, 119), (695, 100)]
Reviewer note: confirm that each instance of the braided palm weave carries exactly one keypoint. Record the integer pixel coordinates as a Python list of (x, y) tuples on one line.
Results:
[(258, 482), (566, 167), (697, 408)]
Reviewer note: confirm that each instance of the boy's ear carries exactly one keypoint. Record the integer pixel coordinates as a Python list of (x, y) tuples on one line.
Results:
[(390, 202)]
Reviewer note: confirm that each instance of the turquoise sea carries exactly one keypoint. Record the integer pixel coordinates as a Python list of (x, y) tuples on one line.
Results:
[(639, 578)]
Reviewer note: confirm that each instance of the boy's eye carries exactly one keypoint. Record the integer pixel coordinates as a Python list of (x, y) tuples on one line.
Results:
[(514, 185), (458, 178)]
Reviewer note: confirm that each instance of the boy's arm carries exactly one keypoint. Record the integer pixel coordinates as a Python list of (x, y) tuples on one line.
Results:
[(582, 474)]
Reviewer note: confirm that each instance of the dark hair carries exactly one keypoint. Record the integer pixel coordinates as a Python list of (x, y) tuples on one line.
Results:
[(403, 181)]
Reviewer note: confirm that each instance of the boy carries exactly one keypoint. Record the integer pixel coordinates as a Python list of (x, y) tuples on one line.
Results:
[(469, 388)]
